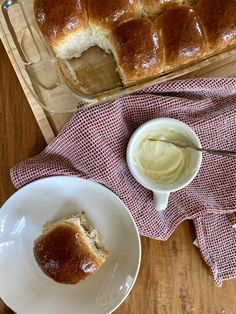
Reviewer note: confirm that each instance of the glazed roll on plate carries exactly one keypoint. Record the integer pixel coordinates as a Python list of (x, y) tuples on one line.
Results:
[(137, 50), (64, 25), (219, 22), (69, 250), (182, 36)]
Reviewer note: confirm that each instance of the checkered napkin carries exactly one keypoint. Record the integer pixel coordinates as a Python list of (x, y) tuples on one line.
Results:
[(93, 146)]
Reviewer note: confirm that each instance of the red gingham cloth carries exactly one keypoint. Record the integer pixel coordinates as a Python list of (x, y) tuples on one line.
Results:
[(93, 146)]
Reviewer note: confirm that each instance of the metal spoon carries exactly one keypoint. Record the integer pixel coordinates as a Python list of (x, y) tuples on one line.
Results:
[(227, 153)]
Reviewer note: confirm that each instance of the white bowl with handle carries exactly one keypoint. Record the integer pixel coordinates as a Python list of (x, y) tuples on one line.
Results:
[(162, 191)]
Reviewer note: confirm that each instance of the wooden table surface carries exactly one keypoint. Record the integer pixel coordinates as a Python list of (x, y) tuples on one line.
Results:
[(173, 278)]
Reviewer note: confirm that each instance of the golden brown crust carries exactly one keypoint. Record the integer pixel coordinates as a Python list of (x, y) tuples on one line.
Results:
[(182, 36), (153, 7), (187, 33), (219, 21), (63, 254), (109, 13), (59, 18), (136, 47)]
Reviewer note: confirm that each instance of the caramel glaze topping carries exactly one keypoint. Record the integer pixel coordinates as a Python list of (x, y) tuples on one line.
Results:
[(60, 17), (138, 48), (219, 20), (108, 13), (182, 36), (63, 256)]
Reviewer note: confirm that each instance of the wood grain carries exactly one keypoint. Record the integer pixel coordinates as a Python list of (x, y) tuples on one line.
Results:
[(173, 278)]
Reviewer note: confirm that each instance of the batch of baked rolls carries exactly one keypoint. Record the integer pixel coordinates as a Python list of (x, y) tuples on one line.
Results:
[(146, 37)]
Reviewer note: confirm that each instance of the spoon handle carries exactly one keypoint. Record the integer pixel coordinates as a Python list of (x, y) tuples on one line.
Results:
[(228, 153), (218, 152)]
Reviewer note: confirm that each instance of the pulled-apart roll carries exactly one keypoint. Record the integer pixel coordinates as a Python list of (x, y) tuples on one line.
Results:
[(146, 37), (181, 35), (219, 21), (137, 50), (64, 24)]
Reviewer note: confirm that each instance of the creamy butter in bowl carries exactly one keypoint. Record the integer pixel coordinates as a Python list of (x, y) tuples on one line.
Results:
[(159, 161), (160, 166)]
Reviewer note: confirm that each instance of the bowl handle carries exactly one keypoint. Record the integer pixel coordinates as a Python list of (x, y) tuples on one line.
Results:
[(160, 200)]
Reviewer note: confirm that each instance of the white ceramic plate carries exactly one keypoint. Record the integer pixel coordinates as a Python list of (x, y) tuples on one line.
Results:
[(25, 288)]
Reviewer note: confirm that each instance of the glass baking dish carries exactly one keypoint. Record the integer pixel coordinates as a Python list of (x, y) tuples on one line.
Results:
[(79, 83)]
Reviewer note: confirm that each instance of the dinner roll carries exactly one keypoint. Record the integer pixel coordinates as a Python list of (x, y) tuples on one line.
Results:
[(69, 250), (172, 33), (137, 50), (154, 7), (104, 15), (182, 36), (64, 24), (219, 22)]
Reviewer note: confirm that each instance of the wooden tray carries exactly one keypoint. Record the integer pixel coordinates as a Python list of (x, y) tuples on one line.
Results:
[(50, 124)]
